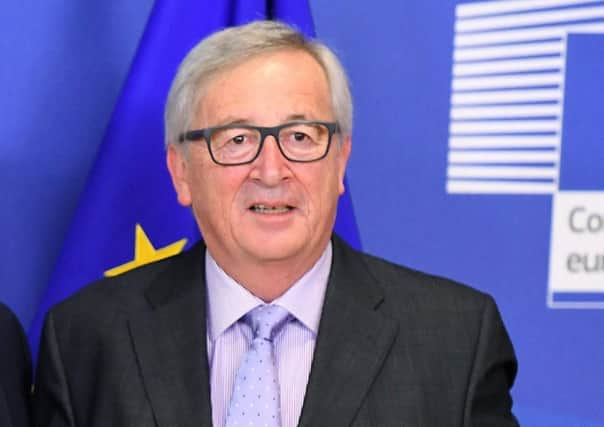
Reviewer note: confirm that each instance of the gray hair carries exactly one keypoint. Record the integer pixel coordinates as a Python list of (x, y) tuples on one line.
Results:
[(235, 45)]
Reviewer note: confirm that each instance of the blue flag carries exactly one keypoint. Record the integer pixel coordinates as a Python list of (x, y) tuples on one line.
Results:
[(128, 214)]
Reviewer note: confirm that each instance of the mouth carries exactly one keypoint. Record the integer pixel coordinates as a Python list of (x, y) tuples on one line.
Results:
[(270, 209)]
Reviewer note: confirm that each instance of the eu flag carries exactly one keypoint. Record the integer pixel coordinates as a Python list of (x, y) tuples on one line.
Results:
[(128, 214)]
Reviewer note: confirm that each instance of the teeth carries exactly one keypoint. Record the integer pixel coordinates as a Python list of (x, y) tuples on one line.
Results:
[(270, 209)]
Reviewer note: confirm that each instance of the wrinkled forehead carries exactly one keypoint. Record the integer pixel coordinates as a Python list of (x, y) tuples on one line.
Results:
[(265, 89), (264, 76)]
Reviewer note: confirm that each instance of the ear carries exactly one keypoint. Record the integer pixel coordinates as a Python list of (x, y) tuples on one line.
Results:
[(178, 167), (343, 156)]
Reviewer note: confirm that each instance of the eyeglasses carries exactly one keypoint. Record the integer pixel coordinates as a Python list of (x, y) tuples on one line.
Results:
[(299, 141)]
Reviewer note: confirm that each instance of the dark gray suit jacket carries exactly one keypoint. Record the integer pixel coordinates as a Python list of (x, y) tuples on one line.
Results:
[(395, 348), (15, 372)]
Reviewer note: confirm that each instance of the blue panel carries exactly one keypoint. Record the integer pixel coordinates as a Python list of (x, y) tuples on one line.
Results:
[(578, 296), (582, 154)]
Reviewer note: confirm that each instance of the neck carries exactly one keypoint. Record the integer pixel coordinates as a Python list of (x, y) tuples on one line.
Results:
[(268, 280)]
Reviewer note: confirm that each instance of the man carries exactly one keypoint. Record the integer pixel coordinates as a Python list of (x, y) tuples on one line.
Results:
[(272, 320), (15, 372)]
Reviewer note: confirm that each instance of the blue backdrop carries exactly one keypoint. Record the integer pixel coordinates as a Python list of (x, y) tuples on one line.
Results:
[(442, 177)]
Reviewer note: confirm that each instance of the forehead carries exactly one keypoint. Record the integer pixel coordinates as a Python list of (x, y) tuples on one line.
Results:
[(266, 87)]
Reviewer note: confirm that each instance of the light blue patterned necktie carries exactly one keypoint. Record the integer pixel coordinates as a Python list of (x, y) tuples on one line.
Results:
[(255, 399)]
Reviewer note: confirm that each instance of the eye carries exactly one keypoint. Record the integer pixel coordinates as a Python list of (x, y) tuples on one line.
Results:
[(300, 136), (239, 139)]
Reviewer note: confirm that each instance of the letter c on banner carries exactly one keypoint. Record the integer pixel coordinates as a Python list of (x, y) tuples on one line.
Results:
[(571, 220)]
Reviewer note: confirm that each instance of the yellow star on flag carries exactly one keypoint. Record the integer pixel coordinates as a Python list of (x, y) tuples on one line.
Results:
[(145, 252)]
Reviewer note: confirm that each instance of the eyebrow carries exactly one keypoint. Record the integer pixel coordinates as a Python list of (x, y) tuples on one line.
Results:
[(242, 121), (232, 121), (296, 117)]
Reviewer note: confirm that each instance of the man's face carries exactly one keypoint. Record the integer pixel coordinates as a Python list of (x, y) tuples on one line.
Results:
[(267, 90)]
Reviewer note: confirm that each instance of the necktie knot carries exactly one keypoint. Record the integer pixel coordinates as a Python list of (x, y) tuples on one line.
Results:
[(267, 320)]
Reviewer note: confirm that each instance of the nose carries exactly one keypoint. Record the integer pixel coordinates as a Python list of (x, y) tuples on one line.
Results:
[(270, 167)]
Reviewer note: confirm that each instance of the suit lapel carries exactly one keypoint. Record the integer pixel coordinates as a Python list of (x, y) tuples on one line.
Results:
[(353, 341), (170, 343)]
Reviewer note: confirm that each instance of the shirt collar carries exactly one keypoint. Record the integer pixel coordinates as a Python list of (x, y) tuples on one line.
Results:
[(228, 301)]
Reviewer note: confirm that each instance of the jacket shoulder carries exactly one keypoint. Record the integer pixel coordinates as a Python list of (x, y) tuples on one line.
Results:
[(12, 337), (125, 292), (428, 290)]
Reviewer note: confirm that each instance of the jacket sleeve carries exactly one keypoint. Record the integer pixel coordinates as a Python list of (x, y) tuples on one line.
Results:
[(489, 402), (51, 400)]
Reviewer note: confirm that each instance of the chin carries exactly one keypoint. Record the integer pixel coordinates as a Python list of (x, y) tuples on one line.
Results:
[(274, 248)]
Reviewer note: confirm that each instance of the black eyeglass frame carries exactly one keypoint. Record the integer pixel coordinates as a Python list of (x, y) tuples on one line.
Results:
[(206, 135)]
